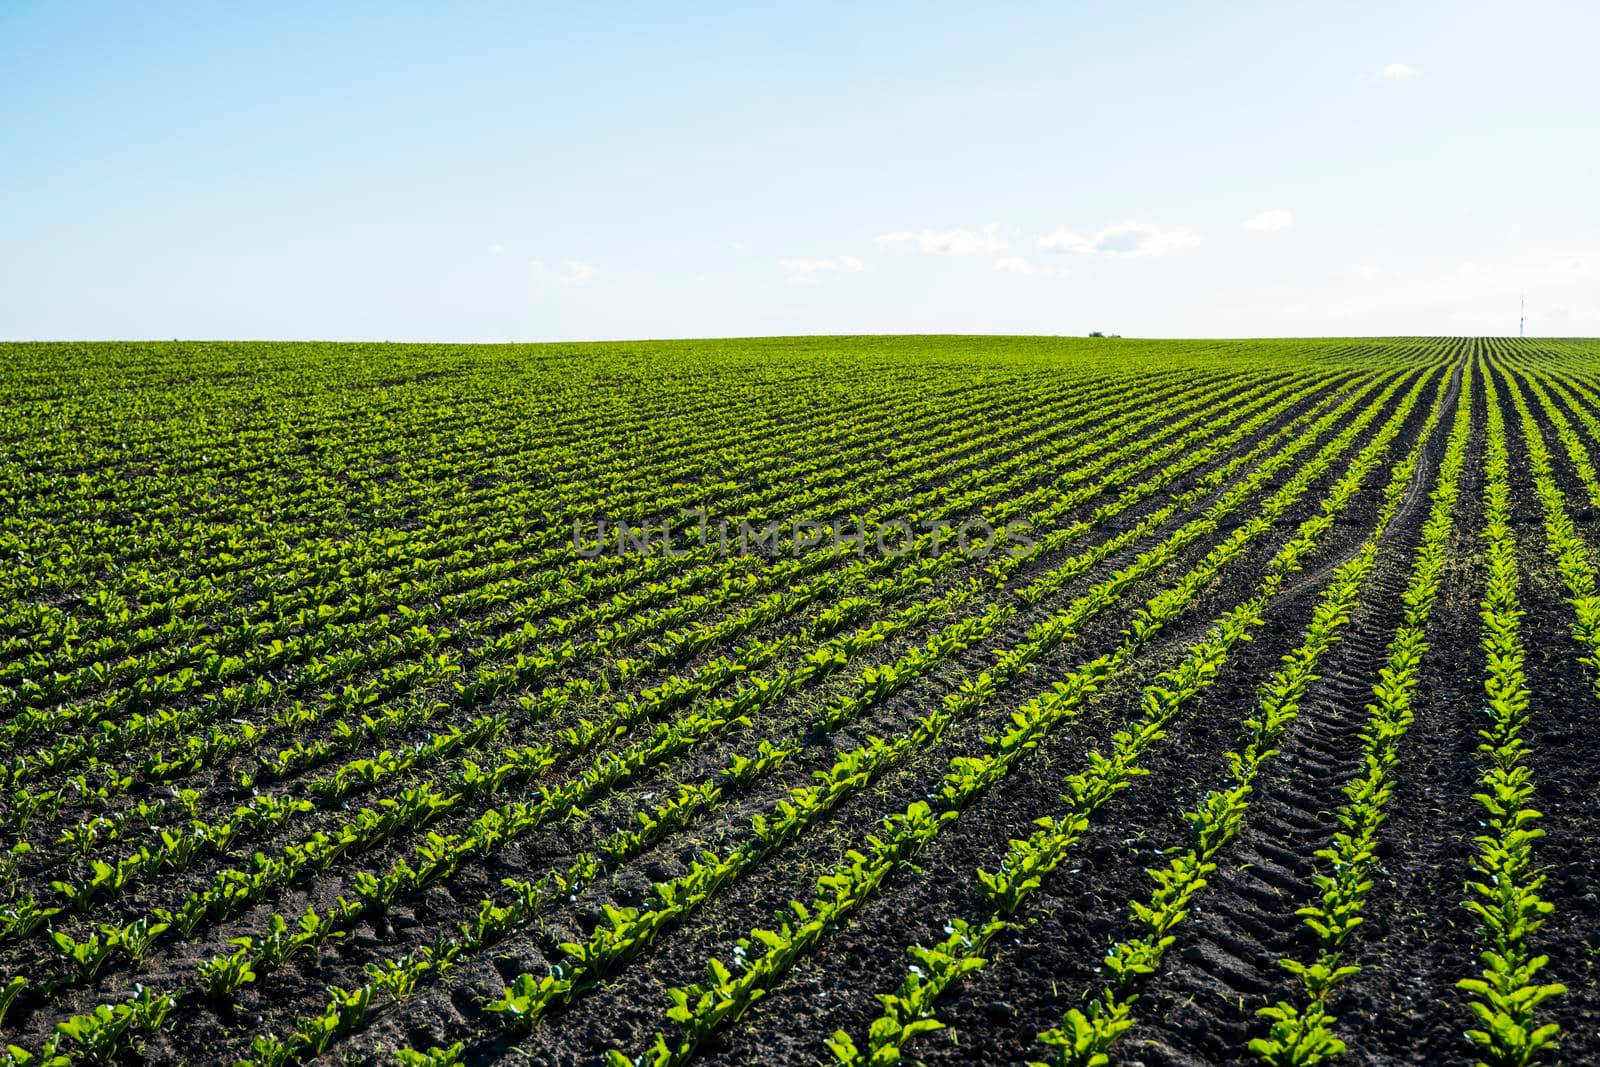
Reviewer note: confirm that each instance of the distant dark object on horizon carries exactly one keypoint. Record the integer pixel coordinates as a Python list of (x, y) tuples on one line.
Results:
[(1097, 333)]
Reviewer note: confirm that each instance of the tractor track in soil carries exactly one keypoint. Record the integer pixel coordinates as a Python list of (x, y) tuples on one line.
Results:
[(1200, 1007), (1402, 1006)]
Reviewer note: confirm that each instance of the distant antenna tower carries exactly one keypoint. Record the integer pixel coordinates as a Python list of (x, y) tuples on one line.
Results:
[(1522, 313)]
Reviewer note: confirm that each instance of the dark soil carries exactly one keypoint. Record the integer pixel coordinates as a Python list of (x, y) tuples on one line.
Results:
[(1199, 1008)]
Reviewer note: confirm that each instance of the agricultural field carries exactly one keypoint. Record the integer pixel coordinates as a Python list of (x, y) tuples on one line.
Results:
[(798, 701)]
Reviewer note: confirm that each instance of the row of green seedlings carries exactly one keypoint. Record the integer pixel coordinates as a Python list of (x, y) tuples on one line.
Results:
[(528, 997), (1302, 1031), (1572, 443), (481, 730), (911, 1009), (1503, 889), (702, 1009)]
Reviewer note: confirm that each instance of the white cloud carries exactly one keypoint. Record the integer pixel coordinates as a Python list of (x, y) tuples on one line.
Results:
[(497, 249), (987, 241), (808, 270), (1396, 72), (1122, 240), (1276, 219)]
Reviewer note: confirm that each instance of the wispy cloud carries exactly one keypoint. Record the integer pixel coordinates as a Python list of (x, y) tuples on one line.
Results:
[(1122, 240), (1276, 219), (808, 270), (497, 249), (1396, 72), (987, 241)]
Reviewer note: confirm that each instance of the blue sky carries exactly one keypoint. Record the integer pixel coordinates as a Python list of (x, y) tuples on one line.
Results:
[(577, 171)]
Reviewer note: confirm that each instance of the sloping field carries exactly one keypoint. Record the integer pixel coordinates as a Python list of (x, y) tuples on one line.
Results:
[(800, 701)]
